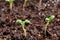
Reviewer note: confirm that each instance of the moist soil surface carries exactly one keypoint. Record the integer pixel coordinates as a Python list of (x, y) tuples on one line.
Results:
[(35, 12)]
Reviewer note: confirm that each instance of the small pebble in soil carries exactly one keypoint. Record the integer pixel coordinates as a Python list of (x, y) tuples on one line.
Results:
[(48, 4), (52, 1), (39, 35), (3, 9), (45, 5), (49, 29), (54, 35)]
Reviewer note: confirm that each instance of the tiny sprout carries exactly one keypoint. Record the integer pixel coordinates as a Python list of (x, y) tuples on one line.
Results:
[(48, 20), (25, 1), (11, 3), (23, 25)]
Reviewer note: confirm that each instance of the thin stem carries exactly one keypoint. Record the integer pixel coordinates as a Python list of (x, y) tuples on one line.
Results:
[(40, 4), (11, 4), (24, 6), (24, 29), (24, 32), (46, 27)]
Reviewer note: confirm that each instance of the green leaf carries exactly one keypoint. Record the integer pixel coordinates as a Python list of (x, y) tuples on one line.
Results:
[(18, 21), (22, 22), (50, 18), (27, 21), (26, 0), (47, 19), (9, 1)]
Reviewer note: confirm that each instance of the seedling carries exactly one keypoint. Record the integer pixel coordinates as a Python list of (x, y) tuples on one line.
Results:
[(10, 2), (40, 5), (48, 20), (23, 24), (40, 2), (25, 1)]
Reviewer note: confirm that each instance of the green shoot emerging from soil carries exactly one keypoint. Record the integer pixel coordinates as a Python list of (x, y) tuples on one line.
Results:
[(48, 20), (11, 3), (25, 1), (23, 24)]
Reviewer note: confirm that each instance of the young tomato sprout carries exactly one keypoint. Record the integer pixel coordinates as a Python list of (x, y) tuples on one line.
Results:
[(40, 5), (23, 25), (40, 2), (25, 1), (10, 2), (48, 20)]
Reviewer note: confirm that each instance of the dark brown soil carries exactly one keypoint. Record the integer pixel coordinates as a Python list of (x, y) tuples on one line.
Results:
[(10, 30)]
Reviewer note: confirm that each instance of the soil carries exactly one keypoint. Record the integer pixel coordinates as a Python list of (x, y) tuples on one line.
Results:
[(10, 30)]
